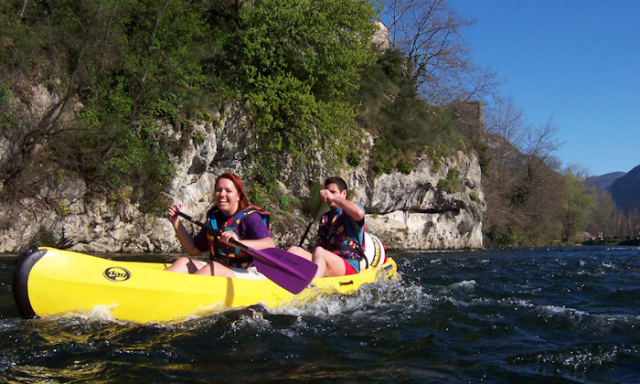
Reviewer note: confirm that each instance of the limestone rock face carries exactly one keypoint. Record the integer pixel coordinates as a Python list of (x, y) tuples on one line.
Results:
[(406, 211), (380, 39), (412, 212)]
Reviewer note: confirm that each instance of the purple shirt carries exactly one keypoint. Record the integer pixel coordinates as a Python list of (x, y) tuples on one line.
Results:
[(251, 227)]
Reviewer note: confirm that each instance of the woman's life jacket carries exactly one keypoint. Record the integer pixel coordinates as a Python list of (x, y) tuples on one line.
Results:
[(228, 254)]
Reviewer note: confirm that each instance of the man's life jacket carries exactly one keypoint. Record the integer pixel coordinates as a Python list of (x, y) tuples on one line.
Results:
[(227, 254), (332, 237)]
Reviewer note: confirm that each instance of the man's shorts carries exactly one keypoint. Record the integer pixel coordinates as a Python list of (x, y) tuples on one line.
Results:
[(351, 267)]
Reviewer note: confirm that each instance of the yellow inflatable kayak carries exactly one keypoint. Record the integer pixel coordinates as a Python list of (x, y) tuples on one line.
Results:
[(49, 281)]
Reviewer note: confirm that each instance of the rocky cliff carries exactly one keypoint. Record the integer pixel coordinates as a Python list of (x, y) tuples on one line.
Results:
[(407, 211)]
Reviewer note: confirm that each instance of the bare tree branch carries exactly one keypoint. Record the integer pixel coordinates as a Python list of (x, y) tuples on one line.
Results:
[(429, 34)]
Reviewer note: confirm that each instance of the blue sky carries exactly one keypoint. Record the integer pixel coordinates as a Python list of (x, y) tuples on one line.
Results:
[(576, 62)]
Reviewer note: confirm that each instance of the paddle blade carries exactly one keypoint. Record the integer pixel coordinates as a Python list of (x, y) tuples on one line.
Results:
[(286, 269)]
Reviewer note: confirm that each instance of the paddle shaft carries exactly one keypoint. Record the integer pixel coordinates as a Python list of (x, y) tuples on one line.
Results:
[(313, 219), (216, 232)]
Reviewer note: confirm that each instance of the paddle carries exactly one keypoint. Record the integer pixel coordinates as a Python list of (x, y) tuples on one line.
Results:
[(286, 269), (312, 220)]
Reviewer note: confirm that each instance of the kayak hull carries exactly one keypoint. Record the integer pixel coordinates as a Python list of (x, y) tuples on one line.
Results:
[(49, 281)]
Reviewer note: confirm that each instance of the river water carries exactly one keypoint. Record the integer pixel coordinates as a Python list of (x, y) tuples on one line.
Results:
[(543, 315)]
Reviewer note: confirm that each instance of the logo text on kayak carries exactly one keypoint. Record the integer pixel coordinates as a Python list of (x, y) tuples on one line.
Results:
[(116, 274)]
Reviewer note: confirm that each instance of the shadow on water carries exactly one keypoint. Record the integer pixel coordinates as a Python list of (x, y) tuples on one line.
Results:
[(532, 315)]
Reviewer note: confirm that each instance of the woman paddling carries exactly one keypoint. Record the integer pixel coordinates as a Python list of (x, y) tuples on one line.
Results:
[(237, 220)]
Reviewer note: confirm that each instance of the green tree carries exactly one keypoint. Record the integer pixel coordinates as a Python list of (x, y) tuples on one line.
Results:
[(604, 216), (577, 200), (300, 63)]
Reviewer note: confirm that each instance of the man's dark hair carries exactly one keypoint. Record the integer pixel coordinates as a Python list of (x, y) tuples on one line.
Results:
[(342, 185)]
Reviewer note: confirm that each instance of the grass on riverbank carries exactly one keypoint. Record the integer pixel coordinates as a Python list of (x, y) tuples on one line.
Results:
[(613, 242)]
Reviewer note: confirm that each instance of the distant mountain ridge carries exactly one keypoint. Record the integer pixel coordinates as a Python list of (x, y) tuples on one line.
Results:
[(624, 187), (625, 191), (604, 181)]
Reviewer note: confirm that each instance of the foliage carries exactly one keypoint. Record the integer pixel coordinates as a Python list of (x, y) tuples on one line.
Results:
[(405, 166), (604, 216), (354, 158), (299, 63), (436, 156), (529, 202), (286, 203), (123, 68), (258, 195), (576, 203), (451, 183), (403, 124), (522, 187)]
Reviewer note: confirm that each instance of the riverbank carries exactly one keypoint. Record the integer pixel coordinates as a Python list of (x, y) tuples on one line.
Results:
[(613, 242)]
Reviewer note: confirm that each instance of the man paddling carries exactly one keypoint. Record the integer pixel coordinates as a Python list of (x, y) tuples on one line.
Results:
[(338, 250)]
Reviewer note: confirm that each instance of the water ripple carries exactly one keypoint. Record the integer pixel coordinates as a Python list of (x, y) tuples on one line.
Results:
[(552, 315)]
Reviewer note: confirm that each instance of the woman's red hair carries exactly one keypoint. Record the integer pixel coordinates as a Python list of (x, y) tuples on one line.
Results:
[(244, 200)]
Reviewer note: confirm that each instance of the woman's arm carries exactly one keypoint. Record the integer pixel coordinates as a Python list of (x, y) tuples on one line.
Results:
[(183, 236), (265, 242)]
